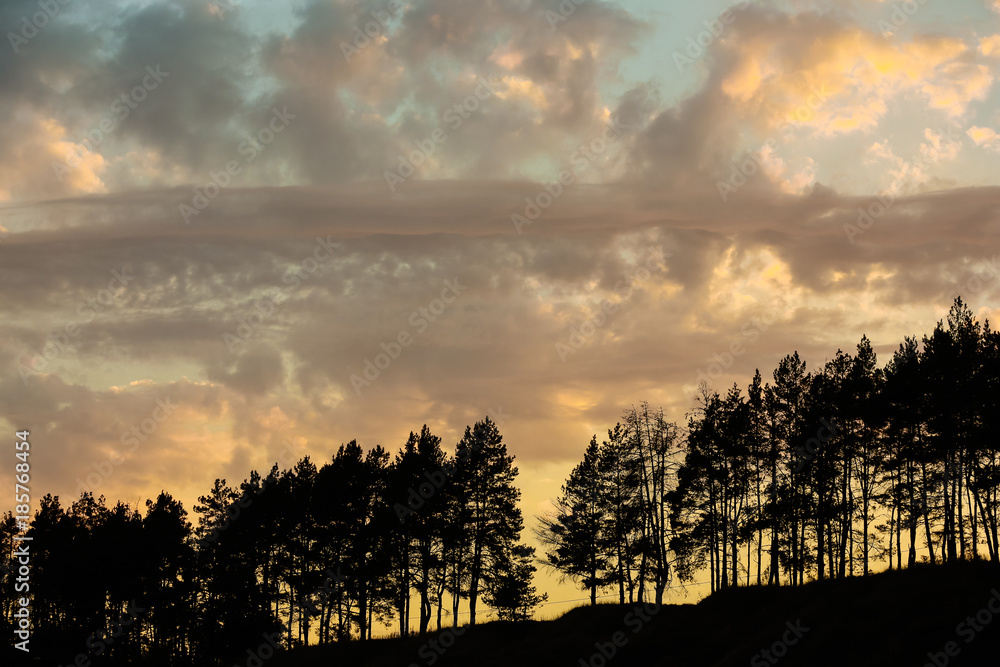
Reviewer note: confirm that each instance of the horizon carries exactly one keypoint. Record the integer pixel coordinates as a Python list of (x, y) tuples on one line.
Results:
[(234, 232)]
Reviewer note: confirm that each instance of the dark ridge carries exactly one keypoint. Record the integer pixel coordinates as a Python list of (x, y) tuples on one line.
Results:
[(887, 619)]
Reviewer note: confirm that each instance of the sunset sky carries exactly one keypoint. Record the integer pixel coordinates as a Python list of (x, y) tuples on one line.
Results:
[(546, 203)]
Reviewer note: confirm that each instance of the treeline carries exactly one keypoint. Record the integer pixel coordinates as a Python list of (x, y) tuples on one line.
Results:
[(314, 554), (817, 475)]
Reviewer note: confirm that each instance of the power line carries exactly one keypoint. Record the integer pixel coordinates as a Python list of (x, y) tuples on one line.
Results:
[(610, 595), (599, 597), (614, 595)]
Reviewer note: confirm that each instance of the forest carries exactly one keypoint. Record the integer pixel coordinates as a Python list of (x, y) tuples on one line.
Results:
[(823, 474), (836, 472), (313, 554)]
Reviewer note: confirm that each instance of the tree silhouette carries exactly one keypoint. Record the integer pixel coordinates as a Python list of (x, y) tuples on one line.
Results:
[(578, 534), (484, 478), (819, 474)]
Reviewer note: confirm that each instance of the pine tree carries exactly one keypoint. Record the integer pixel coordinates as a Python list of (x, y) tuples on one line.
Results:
[(619, 475), (575, 533), (510, 589), (484, 481)]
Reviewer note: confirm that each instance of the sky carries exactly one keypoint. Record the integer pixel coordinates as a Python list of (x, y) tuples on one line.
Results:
[(237, 231)]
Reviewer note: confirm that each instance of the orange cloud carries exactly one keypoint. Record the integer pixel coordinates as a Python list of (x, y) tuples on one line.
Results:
[(984, 136), (840, 81)]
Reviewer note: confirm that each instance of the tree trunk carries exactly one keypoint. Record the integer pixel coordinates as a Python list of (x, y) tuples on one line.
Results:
[(927, 512)]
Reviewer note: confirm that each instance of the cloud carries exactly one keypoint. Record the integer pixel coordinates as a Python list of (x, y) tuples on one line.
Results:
[(846, 108), (984, 136), (851, 72), (990, 46)]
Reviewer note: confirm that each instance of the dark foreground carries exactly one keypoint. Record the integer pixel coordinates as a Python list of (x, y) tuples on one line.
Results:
[(893, 618)]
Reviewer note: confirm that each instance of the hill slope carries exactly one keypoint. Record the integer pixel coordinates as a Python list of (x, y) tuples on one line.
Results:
[(892, 618)]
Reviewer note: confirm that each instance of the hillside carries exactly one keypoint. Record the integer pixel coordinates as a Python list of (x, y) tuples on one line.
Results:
[(892, 618)]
